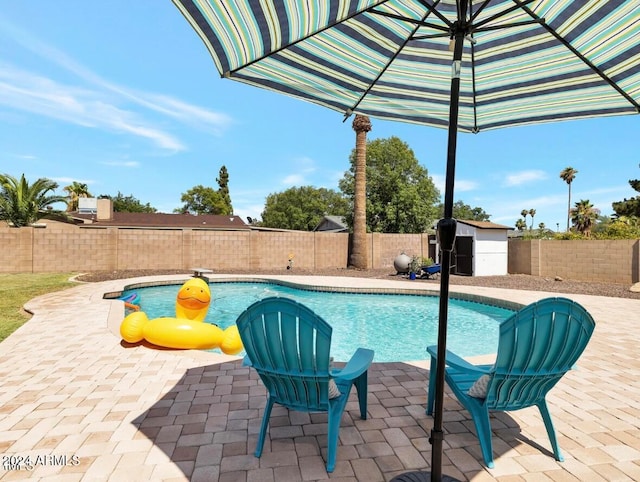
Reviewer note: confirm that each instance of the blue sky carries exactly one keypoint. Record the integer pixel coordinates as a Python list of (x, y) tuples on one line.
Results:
[(123, 96)]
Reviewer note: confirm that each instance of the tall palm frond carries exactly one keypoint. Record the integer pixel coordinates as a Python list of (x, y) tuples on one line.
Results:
[(22, 204)]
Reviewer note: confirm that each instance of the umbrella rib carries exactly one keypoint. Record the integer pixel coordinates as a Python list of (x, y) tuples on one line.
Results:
[(420, 23), (479, 11), (301, 39), (510, 25), (577, 53), (473, 86), (384, 69), (504, 12), (435, 35), (432, 9)]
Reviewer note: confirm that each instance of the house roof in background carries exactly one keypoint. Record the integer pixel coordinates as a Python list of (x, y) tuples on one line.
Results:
[(334, 224), (164, 220)]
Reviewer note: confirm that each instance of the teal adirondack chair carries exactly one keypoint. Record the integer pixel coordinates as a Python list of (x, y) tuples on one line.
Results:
[(288, 345), (537, 346)]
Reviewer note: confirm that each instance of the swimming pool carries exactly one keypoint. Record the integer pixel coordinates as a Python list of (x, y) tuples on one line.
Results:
[(398, 327)]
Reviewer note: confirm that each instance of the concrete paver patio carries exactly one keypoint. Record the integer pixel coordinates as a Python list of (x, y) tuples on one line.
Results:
[(82, 406)]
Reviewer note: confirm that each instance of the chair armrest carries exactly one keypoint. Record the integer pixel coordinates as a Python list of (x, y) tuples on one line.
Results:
[(459, 363), (358, 364)]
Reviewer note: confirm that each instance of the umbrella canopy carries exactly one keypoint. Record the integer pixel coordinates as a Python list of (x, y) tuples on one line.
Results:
[(526, 61), (464, 65)]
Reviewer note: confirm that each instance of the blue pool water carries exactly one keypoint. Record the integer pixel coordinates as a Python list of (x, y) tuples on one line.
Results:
[(396, 327)]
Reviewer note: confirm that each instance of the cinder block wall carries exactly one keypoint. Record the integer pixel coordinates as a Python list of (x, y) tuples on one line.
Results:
[(612, 261), (385, 247), (519, 257), (61, 247), (149, 249)]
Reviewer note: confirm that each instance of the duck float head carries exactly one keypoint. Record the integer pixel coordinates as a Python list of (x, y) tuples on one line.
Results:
[(192, 302), (188, 329)]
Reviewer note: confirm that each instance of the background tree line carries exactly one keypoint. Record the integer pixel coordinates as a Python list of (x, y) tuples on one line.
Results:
[(584, 219), (400, 195)]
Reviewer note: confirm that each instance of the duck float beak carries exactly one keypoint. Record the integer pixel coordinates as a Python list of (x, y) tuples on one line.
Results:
[(192, 302)]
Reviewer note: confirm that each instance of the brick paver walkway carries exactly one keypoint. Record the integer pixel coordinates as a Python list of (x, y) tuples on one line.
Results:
[(81, 406)]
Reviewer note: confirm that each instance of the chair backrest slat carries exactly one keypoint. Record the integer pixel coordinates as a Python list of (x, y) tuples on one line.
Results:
[(537, 346), (289, 346)]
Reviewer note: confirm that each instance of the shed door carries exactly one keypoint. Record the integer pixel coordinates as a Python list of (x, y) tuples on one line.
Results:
[(463, 256)]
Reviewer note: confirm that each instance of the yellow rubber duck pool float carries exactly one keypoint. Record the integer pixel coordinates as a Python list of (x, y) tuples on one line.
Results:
[(188, 329)]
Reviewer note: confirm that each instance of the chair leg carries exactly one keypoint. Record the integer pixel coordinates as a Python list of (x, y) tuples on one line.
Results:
[(431, 395), (361, 384), (551, 431), (263, 426), (333, 422), (483, 428)]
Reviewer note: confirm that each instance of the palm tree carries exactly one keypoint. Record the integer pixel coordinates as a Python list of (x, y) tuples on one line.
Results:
[(521, 224), (568, 174), (76, 190), (359, 254), (22, 204), (524, 213), (532, 213), (583, 216)]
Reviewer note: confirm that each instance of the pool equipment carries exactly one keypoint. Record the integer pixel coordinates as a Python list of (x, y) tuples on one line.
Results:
[(187, 330), (131, 301)]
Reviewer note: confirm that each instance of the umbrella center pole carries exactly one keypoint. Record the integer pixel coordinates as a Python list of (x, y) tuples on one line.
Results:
[(446, 238)]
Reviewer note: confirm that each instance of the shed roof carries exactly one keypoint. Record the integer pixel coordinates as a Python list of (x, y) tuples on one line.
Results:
[(483, 224)]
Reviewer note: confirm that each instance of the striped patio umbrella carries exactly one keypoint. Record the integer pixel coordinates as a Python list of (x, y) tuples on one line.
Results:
[(465, 65)]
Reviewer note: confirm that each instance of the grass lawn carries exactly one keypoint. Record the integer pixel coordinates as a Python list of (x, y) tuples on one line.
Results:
[(17, 289)]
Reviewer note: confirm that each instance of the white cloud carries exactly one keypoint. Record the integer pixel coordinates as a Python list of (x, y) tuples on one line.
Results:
[(461, 185), (294, 180), (39, 95), (183, 112), (187, 113), (304, 166), (121, 163), (69, 180), (522, 177)]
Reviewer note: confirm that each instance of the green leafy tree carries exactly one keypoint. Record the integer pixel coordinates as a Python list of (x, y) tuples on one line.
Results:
[(521, 224), (623, 227), (583, 216), (223, 183), (128, 204), (302, 208), (202, 200), (22, 203), (401, 196), (465, 211), (629, 207), (76, 190)]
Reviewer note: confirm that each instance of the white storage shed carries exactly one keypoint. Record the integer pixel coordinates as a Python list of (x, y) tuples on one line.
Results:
[(481, 249)]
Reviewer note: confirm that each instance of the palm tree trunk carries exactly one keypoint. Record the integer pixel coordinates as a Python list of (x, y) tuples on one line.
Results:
[(569, 208), (359, 253)]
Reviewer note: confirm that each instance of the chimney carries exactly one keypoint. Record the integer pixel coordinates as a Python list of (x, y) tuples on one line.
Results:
[(105, 210)]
